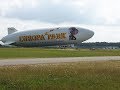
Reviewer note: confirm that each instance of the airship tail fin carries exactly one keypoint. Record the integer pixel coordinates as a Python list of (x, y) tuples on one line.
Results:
[(11, 30)]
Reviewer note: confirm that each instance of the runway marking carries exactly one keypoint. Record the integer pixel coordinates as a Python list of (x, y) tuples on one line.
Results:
[(54, 60)]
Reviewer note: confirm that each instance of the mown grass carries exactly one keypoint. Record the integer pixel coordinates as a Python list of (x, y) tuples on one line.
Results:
[(102, 75), (45, 53)]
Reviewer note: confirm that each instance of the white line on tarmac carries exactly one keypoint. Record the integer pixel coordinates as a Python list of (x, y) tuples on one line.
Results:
[(54, 60)]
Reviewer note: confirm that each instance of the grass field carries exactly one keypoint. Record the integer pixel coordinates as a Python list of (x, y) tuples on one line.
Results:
[(45, 53), (102, 75)]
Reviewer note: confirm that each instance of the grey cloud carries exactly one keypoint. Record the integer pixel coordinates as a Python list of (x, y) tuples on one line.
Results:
[(50, 12), (65, 11)]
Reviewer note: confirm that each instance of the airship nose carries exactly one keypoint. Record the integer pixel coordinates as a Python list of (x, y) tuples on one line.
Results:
[(90, 33), (85, 34)]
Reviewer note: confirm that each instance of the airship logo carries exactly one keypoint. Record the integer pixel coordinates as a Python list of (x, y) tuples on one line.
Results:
[(73, 31)]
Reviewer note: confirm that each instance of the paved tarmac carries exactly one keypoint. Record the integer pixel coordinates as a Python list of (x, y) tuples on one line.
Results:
[(27, 61)]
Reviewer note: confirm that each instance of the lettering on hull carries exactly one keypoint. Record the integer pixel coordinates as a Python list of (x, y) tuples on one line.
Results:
[(56, 36)]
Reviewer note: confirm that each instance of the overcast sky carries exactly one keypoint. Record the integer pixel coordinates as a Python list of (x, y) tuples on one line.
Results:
[(101, 16)]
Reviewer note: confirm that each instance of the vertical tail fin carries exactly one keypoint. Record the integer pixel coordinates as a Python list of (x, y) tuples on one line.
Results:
[(11, 30)]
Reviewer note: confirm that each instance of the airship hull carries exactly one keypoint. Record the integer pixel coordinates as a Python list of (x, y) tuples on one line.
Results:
[(48, 37)]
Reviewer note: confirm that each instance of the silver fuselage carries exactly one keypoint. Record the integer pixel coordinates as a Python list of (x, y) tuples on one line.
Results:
[(48, 37)]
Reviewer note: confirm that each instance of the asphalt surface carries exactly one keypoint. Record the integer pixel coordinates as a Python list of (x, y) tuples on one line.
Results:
[(24, 61)]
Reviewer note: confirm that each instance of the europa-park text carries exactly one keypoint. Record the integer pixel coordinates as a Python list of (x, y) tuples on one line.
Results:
[(42, 37)]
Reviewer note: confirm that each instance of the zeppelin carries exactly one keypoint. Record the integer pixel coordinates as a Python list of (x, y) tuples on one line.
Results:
[(47, 36)]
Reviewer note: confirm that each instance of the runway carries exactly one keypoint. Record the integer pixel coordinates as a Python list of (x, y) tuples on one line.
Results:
[(27, 61)]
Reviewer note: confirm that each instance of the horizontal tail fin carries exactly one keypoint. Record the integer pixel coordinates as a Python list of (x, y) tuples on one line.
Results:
[(11, 30)]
